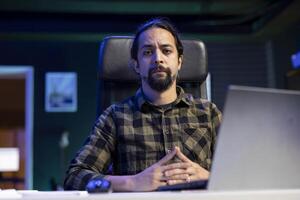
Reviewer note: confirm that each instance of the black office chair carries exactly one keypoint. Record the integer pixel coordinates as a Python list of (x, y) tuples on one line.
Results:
[(117, 81)]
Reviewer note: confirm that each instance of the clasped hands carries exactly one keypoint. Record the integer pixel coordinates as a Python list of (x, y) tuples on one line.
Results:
[(164, 172)]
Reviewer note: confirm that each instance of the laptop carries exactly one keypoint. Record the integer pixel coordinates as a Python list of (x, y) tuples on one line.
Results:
[(258, 145)]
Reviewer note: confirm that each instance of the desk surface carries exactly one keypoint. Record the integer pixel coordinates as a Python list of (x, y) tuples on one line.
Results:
[(184, 195)]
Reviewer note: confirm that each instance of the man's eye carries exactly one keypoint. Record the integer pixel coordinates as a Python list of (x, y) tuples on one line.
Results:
[(147, 53), (167, 51)]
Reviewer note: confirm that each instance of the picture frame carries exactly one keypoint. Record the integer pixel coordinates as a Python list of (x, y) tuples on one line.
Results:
[(61, 92)]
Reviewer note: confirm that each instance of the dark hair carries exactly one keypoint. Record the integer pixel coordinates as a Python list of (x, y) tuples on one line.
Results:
[(163, 23)]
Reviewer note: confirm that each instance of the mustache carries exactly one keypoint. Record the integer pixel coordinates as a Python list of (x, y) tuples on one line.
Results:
[(159, 68)]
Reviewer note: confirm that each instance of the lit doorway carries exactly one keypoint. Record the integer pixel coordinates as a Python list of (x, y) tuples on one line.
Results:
[(17, 82)]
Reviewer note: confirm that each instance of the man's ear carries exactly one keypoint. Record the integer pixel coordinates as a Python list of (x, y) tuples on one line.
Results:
[(180, 59), (134, 65)]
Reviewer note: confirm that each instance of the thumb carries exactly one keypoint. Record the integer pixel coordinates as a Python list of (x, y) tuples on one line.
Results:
[(167, 157), (181, 156)]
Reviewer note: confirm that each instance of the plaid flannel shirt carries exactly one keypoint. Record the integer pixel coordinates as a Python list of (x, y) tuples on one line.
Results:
[(133, 135)]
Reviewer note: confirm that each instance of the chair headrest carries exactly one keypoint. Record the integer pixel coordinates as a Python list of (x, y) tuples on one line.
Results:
[(115, 56)]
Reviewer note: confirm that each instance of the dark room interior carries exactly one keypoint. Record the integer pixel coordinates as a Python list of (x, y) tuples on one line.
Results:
[(248, 43)]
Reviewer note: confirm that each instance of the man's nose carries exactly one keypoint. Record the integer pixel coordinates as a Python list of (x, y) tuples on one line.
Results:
[(157, 57)]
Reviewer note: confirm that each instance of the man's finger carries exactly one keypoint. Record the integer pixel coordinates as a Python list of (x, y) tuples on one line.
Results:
[(181, 156), (178, 177), (167, 157), (172, 182), (173, 172), (181, 165)]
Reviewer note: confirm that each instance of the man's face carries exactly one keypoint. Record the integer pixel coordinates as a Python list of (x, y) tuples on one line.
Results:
[(158, 61)]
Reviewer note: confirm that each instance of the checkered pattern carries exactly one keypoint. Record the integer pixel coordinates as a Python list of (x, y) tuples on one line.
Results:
[(135, 134)]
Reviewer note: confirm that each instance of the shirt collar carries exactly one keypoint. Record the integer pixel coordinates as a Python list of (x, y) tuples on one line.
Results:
[(143, 104)]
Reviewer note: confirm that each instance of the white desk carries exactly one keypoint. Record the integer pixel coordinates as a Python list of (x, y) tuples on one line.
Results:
[(185, 195)]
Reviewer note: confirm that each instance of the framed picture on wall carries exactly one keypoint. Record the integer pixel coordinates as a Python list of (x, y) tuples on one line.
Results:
[(61, 92)]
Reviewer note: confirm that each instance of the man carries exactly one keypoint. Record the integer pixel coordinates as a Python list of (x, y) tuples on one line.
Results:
[(159, 136)]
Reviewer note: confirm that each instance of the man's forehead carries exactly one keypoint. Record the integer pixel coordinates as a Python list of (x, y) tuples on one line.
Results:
[(154, 36)]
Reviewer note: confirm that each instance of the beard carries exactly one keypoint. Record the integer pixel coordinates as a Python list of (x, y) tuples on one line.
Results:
[(160, 84)]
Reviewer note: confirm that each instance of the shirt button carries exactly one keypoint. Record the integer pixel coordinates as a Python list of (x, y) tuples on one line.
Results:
[(169, 150)]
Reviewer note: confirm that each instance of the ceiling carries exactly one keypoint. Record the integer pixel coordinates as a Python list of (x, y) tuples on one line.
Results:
[(218, 17)]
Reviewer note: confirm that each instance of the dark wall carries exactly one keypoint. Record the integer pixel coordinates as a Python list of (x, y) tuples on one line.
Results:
[(236, 63), (56, 56), (284, 45)]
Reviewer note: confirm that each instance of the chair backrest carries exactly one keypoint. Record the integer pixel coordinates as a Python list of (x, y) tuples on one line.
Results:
[(117, 81)]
